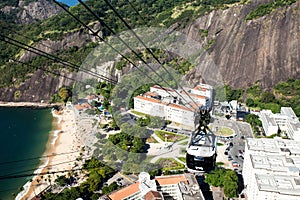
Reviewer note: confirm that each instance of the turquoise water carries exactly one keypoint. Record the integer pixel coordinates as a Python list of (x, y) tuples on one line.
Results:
[(69, 2), (24, 133)]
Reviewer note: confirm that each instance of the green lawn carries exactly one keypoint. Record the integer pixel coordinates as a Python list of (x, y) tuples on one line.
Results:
[(169, 164), (171, 137), (138, 113), (151, 140), (182, 159), (224, 131)]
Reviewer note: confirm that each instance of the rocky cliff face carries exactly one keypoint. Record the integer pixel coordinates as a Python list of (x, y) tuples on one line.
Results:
[(39, 87), (28, 12), (266, 49), (73, 39), (42, 84)]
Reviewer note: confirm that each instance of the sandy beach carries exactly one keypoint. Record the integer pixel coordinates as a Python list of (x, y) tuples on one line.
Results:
[(64, 146), (28, 104)]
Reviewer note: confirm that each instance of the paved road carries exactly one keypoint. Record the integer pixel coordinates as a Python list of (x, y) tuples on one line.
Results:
[(240, 129), (170, 150), (123, 179)]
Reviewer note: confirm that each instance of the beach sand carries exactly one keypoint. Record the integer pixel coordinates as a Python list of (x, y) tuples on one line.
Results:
[(65, 144)]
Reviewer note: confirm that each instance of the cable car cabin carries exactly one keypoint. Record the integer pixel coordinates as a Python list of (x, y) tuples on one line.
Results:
[(201, 152)]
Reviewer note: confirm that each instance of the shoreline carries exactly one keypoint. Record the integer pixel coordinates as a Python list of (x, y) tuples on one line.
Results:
[(63, 146), (29, 104)]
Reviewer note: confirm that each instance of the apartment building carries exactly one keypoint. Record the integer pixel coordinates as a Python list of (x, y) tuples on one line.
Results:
[(271, 169), (285, 121), (177, 187), (174, 105)]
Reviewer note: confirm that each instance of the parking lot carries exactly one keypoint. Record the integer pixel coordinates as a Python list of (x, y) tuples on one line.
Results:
[(242, 131), (122, 180)]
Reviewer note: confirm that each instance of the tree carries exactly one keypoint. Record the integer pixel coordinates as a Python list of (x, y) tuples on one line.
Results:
[(143, 121), (250, 102), (113, 186), (61, 180), (156, 122), (113, 124), (65, 94), (267, 97), (221, 177)]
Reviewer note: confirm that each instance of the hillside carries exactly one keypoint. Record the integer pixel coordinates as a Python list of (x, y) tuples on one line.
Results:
[(262, 49), (265, 49)]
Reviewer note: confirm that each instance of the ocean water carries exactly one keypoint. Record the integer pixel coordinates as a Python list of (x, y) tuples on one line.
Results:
[(69, 2), (24, 133)]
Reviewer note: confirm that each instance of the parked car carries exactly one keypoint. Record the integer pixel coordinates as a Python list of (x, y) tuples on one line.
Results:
[(119, 183), (226, 152), (235, 164), (119, 179), (241, 153)]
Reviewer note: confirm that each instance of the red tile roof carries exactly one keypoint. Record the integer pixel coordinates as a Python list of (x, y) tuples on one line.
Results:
[(134, 188), (170, 180), (153, 195), (152, 94), (148, 99), (198, 96), (125, 192), (79, 107), (181, 107), (199, 87)]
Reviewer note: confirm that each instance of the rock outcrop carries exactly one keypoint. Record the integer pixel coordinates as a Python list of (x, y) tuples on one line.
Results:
[(37, 10), (28, 12), (39, 87), (72, 39), (266, 49)]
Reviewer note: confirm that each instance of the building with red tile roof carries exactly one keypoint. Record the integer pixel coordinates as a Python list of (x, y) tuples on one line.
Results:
[(153, 195), (168, 104), (183, 186)]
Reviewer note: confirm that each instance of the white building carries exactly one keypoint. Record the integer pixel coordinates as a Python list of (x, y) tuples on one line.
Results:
[(168, 104), (178, 187), (268, 122), (271, 169), (286, 121), (203, 90), (201, 94), (149, 106)]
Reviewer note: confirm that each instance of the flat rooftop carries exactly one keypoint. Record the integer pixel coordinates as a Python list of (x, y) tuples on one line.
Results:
[(276, 145), (276, 163), (288, 185), (288, 111), (268, 116)]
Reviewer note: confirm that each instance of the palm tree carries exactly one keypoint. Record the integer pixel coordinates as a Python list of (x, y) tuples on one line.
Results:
[(49, 179)]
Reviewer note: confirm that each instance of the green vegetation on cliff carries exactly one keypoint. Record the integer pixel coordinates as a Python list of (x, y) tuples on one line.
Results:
[(284, 94), (155, 13), (265, 9)]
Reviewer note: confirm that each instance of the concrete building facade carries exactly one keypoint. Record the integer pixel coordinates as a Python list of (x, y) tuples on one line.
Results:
[(177, 187), (175, 106), (271, 169), (285, 121)]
